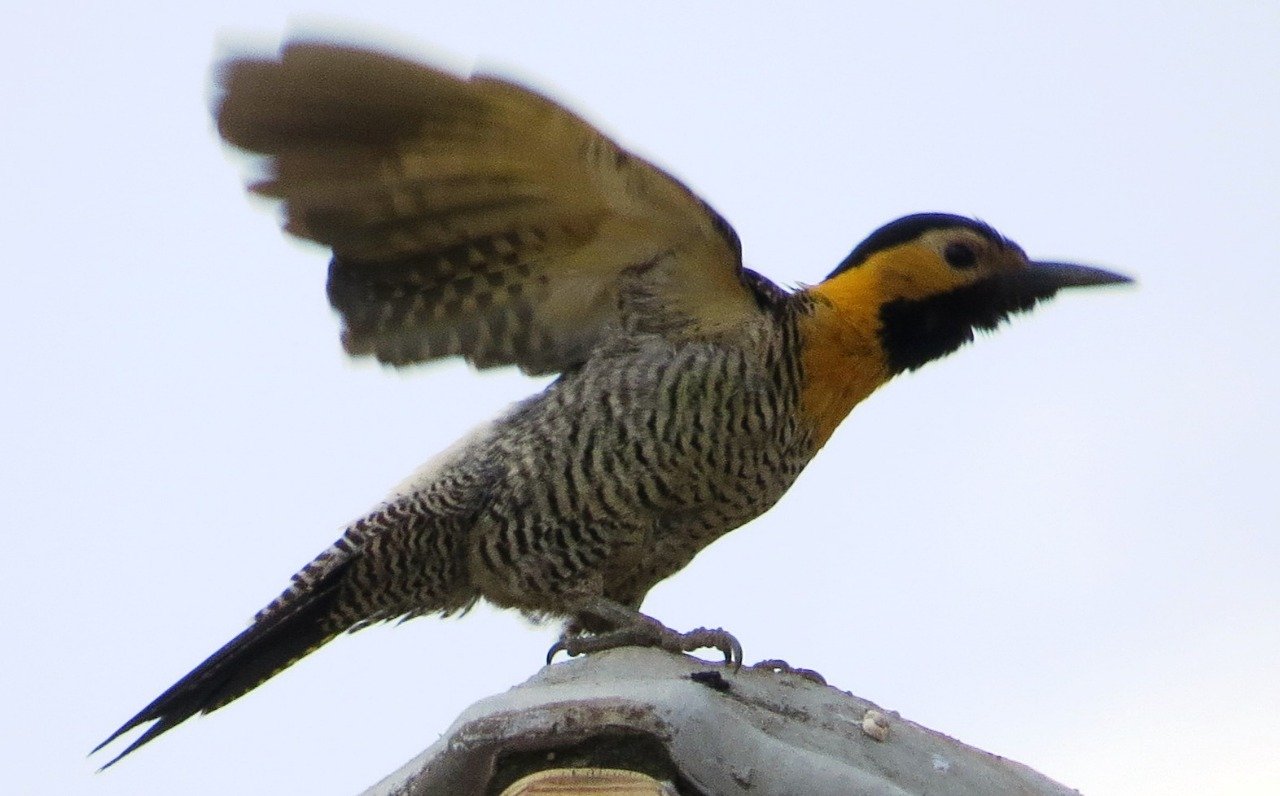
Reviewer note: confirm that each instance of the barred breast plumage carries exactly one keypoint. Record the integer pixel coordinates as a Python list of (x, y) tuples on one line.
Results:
[(623, 470)]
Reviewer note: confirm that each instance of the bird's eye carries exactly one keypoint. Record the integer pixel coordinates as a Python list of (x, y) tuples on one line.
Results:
[(960, 255)]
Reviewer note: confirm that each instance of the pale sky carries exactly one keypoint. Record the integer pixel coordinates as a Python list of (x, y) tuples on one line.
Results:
[(1060, 545)]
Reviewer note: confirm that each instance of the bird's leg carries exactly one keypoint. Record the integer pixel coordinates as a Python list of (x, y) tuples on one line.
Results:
[(627, 627)]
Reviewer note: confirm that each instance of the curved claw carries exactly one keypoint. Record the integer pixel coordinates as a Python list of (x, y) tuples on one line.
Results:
[(713, 638), (734, 656), (559, 646)]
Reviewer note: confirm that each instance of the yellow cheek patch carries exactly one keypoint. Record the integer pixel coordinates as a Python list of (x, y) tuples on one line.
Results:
[(910, 271)]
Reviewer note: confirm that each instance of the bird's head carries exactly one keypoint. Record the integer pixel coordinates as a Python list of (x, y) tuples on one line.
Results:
[(915, 290), (926, 282)]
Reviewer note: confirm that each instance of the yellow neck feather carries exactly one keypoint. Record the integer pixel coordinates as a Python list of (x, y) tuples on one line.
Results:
[(843, 359)]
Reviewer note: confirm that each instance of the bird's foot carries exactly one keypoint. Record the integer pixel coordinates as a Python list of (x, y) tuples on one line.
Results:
[(643, 631), (780, 666)]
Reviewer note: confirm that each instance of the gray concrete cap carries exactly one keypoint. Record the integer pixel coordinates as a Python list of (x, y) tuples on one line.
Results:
[(766, 733)]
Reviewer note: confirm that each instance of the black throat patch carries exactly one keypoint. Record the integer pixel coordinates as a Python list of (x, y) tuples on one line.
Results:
[(916, 331)]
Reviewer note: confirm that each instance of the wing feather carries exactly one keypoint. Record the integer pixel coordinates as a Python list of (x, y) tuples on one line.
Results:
[(471, 216)]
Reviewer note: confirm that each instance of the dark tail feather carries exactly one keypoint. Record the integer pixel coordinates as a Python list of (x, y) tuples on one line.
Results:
[(269, 646)]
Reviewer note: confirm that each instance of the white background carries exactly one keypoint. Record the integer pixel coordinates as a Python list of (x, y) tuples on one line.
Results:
[(1060, 544)]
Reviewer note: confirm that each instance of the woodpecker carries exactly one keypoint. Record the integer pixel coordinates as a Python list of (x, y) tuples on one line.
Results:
[(471, 217)]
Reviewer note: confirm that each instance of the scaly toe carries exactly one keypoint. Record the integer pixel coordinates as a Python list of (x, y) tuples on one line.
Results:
[(651, 634), (712, 638), (782, 667)]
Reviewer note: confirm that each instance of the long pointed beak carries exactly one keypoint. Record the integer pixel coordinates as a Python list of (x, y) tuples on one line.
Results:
[(1050, 277)]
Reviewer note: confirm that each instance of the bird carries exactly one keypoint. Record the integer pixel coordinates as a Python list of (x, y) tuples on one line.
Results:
[(469, 216)]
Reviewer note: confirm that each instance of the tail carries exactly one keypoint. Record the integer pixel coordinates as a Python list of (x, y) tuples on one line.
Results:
[(279, 636)]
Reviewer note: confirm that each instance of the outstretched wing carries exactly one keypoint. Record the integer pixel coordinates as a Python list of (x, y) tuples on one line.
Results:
[(471, 216)]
